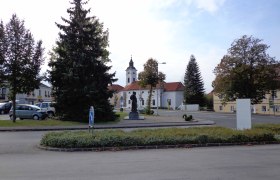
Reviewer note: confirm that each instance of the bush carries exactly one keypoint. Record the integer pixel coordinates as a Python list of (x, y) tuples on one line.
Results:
[(148, 111), (169, 136)]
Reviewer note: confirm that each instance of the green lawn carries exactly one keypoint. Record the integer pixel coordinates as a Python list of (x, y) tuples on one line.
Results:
[(49, 122), (52, 122)]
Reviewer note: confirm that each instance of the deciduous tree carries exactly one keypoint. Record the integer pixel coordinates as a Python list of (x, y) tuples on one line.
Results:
[(246, 71), (150, 77), (20, 59)]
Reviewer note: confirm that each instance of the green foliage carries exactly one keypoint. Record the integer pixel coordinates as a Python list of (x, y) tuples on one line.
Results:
[(20, 58), (79, 73), (194, 87), (150, 77), (144, 137), (148, 111), (275, 128), (209, 101), (247, 71)]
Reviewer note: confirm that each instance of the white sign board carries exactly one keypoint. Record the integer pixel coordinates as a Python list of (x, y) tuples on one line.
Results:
[(243, 114)]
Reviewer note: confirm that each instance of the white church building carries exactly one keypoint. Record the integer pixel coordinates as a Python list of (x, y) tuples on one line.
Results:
[(168, 95)]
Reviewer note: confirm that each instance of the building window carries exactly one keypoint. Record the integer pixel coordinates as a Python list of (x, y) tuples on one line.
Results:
[(133, 79), (274, 94), (133, 72), (45, 93), (142, 91), (263, 108), (154, 102), (128, 101), (39, 92), (232, 109), (221, 108), (128, 80), (143, 102)]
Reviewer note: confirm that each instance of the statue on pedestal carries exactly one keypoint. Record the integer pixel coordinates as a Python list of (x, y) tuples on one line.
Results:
[(133, 114)]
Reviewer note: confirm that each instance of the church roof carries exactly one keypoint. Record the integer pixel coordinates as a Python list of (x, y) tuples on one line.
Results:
[(115, 87), (171, 86), (131, 65)]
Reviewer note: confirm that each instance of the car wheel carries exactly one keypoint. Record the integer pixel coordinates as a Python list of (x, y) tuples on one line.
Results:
[(2, 112), (50, 114), (35, 117), (21, 118)]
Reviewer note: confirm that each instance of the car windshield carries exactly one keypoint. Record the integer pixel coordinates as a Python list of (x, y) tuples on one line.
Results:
[(2, 104)]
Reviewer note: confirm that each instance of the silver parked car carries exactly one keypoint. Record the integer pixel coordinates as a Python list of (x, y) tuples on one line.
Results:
[(48, 107), (27, 111)]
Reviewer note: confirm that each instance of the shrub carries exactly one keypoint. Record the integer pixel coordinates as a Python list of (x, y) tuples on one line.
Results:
[(169, 136)]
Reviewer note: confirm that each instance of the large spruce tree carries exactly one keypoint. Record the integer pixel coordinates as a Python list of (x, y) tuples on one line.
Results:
[(20, 59), (79, 74), (194, 87)]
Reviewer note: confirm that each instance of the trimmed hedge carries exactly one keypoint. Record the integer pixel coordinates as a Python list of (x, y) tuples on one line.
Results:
[(147, 137)]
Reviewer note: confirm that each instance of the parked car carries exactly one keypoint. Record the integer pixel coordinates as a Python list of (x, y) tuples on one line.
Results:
[(48, 107), (27, 111), (5, 107)]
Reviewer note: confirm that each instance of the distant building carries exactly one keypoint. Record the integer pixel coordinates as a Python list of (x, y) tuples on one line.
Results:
[(44, 93), (270, 104), (165, 95)]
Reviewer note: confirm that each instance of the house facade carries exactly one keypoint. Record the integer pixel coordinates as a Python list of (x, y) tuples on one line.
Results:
[(44, 93), (270, 105), (167, 95)]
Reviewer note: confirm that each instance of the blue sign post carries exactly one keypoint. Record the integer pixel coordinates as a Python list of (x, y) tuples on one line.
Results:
[(91, 117)]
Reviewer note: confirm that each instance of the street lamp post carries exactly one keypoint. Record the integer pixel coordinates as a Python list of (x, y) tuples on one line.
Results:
[(159, 86)]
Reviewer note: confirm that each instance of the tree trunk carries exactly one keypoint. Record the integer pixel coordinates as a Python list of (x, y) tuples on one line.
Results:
[(149, 99), (14, 106)]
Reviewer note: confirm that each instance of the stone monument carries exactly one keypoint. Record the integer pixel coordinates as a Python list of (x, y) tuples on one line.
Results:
[(134, 113)]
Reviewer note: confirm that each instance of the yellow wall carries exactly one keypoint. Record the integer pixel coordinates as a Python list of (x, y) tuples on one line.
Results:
[(262, 108)]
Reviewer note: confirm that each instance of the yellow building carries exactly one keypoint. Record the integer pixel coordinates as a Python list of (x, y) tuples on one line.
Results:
[(270, 105)]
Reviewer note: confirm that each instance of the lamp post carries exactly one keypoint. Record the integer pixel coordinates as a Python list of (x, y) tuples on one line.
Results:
[(159, 86)]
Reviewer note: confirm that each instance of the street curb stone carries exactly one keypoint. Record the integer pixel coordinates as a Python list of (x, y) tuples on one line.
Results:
[(122, 148)]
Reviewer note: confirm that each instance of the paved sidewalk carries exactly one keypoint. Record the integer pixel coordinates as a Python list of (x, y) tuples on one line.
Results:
[(149, 121)]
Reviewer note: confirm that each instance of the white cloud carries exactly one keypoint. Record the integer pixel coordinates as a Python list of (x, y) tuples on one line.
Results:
[(209, 5)]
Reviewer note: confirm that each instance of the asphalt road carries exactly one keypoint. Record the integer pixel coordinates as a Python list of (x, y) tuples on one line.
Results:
[(21, 160), (221, 119)]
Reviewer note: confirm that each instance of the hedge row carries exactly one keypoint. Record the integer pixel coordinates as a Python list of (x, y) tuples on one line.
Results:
[(147, 137)]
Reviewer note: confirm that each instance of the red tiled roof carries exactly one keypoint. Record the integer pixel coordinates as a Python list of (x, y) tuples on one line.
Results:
[(172, 86), (115, 87)]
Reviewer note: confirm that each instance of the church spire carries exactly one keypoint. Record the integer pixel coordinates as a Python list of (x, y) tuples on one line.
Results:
[(131, 62)]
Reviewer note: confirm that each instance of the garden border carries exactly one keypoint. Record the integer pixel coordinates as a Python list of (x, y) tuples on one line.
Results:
[(122, 148)]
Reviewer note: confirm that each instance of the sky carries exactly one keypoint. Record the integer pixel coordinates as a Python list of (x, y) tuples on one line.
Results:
[(167, 30)]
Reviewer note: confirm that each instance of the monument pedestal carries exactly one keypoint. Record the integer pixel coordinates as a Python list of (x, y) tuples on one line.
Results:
[(134, 116)]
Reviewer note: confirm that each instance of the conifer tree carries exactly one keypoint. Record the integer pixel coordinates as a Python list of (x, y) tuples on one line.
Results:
[(79, 74), (194, 87)]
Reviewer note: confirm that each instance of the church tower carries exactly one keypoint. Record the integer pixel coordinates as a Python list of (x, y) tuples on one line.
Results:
[(131, 73)]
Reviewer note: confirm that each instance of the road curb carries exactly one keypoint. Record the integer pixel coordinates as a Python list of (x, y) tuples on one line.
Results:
[(121, 126), (122, 148)]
